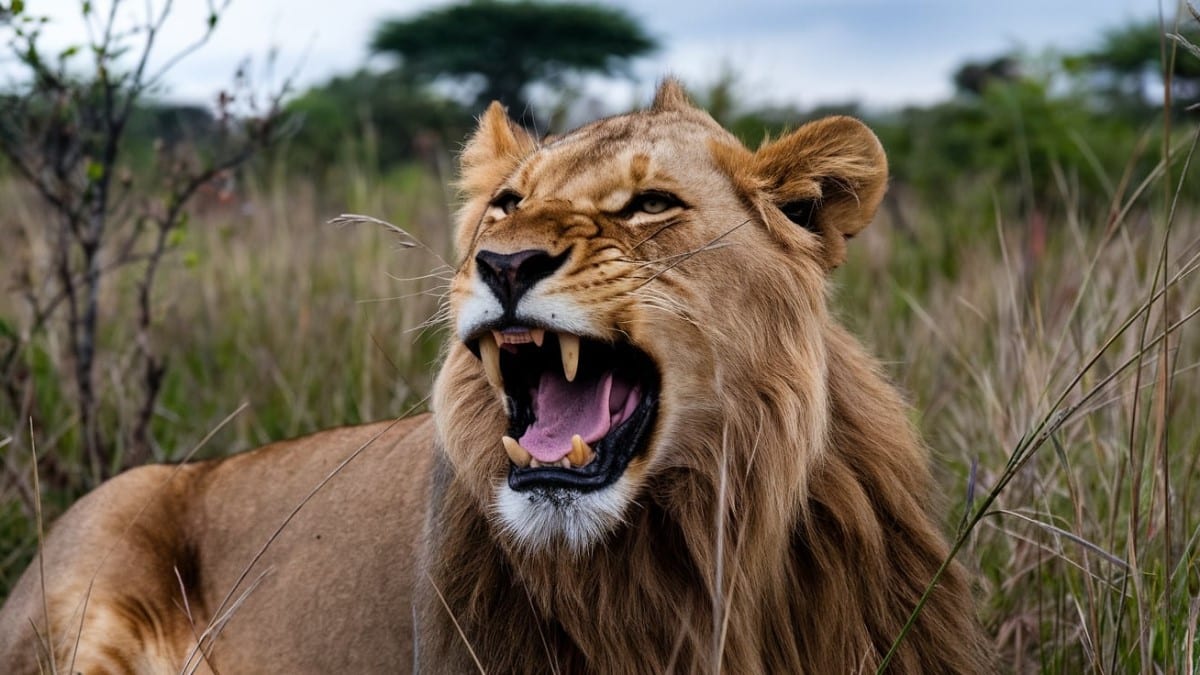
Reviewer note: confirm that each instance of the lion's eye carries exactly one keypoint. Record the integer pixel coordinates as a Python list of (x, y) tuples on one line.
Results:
[(506, 201), (653, 203)]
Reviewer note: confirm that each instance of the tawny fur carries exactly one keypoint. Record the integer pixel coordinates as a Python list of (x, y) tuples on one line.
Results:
[(779, 520)]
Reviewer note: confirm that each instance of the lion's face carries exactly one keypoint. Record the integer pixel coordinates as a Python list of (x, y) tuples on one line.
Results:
[(621, 290)]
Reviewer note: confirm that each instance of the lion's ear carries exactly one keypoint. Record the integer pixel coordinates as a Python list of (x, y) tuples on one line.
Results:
[(828, 176), (493, 151)]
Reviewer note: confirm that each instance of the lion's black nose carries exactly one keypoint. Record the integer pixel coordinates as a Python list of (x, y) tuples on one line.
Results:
[(510, 275)]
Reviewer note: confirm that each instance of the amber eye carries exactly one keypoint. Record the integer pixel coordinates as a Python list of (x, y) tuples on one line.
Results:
[(653, 203), (506, 201)]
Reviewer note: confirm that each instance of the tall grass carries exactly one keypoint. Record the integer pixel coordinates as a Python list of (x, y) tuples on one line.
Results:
[(1057, 386), (312, 325), (1086, 559)]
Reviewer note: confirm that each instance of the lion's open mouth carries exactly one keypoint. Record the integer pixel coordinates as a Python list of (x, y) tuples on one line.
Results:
[(578, 409)]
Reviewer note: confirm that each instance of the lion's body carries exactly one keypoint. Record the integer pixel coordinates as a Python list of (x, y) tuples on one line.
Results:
[(314, 602), (777, 518)]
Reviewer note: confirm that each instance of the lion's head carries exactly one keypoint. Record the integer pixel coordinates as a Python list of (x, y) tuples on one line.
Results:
[(640, 297)]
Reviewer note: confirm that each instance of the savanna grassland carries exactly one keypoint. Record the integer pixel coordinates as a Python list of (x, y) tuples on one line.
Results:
[(1048, 351)]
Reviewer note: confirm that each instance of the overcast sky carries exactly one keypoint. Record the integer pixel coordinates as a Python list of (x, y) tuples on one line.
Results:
[(804, 52)]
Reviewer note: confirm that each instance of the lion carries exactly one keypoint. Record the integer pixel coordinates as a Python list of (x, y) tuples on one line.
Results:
[(652, 449)]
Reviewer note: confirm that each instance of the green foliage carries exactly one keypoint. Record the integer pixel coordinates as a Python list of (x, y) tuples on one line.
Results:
[(1016, 138), (1126, 68), (383, 117), (506, 46), (1137, 49)]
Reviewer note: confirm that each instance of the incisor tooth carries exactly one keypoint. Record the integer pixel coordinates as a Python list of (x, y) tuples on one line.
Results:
[(519, 456), (581, 453), (538, 334), (489, 352), (569, 345)]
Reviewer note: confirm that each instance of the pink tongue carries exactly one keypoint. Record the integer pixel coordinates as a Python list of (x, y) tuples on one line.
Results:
[(586, 407)]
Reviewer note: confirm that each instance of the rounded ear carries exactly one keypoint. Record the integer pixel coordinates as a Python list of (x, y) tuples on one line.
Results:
[(828, 176), (492, 152)]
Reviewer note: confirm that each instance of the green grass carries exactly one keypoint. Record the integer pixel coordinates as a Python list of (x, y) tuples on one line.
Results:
[(1086, 560)]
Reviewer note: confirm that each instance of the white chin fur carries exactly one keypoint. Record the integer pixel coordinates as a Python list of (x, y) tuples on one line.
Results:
[(540, 517)]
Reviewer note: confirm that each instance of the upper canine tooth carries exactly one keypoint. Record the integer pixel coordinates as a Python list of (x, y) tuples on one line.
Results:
[(489, 353), (538, 335), (581, 453), (519, 455), (569, 345)]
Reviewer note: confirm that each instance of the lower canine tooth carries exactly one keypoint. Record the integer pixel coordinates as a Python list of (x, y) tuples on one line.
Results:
[(569, 346), (581, 453), (489, 353), (519, 456)]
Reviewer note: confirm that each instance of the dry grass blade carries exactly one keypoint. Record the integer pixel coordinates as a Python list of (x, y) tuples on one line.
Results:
[(196, 657), (41, 539), (718, 594), (457, 627), (212, 632), (1066, 534), (1183, 42), (407, 241)]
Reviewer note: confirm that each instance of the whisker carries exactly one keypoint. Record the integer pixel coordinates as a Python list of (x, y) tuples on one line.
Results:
[(441, 272), (655, 233), (437, 319), (429, 293), (644, 263), (689, 254), (655, 299)]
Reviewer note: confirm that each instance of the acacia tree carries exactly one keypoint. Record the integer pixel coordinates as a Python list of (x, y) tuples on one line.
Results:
[(64, 129), (503, 47)]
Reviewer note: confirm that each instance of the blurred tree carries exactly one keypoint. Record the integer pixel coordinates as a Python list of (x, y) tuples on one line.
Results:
[(173, 123), (975, 76), (387, 109), (500, 48), (1127, 66)]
